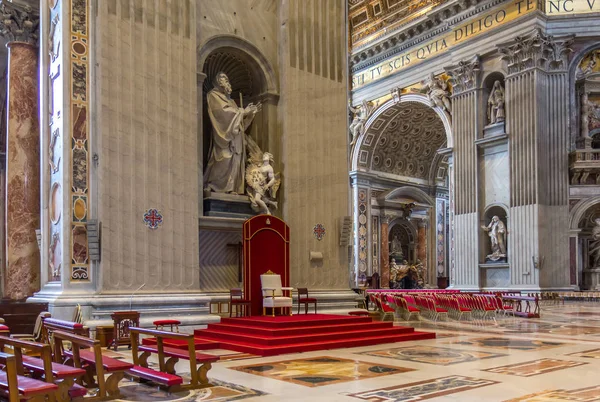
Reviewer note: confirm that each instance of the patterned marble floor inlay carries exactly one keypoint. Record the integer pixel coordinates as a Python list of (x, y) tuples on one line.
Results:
[(220, 391), (322, 370), (535, 367), (419, 391), (588, 394), (590, 354), (432, 355), (506, 343)]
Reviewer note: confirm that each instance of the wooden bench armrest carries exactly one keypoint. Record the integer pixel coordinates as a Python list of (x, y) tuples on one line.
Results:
[(159, 333)]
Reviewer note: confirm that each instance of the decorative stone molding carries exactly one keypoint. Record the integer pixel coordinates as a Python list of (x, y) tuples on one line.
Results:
[(464, 76), (408, 35), (536, 50), (19, 22)]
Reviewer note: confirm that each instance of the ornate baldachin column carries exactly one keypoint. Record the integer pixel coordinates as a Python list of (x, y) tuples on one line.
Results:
[(537, 125), (19, 25), (384, 261), (466, 124)]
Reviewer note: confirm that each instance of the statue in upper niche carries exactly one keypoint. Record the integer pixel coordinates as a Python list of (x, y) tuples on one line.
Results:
[(227, 156), (438, 93), (361, 114), (496, 104)]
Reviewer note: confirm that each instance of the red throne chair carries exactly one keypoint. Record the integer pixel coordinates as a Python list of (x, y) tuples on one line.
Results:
[(266, 248)]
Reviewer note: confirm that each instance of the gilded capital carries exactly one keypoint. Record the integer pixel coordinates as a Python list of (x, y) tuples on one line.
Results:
[(19, 22), (465, 75), (536, 50)]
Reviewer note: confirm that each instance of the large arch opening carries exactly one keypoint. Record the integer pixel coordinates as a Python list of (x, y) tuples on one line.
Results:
[(398, 159)]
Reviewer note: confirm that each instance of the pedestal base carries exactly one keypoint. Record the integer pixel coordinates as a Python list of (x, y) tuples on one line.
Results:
[(227, 206), (192, 309)]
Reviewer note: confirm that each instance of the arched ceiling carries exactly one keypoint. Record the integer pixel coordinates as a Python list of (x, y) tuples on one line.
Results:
[(403, 141)]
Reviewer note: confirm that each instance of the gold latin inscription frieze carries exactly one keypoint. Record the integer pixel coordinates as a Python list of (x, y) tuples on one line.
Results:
[(459, 34), (566, 7)]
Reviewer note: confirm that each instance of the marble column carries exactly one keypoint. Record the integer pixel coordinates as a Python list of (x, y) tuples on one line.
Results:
[(384, 256), (466, 124), (22, 275)]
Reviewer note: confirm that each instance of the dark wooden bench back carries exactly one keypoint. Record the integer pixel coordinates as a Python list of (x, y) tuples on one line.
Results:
[(49, 325), (79, 342), (135, 333), (19, 346), (10, 366)]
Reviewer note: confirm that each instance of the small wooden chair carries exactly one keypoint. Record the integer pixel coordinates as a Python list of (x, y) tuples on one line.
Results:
[(236, 298), (305, 300)]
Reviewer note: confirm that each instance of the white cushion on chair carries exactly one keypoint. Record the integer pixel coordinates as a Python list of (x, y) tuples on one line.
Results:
[(277, 302), (273, 292)]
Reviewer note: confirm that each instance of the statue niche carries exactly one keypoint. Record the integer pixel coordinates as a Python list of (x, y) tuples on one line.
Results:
[(495, 228), (495, 104), (238, 178)]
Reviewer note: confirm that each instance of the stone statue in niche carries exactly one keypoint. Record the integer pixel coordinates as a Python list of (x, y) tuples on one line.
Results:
[(361, 115), (438, 93), (587, 109), (396, 245), (497, 232), (262, 181), (595, 245), (226, 167), (496, 104)]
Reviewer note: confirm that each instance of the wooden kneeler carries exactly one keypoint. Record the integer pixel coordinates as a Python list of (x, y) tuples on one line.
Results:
[(200, 363)]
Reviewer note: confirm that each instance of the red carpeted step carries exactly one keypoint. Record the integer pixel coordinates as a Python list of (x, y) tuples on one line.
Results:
[(300, 320), (263, 350), (226, 336), (319, 329), (179, 344)]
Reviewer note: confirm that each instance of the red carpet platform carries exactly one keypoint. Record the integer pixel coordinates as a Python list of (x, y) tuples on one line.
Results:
[(269, 336)]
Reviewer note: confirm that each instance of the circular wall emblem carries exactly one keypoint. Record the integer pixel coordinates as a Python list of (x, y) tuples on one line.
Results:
[(319, 231)]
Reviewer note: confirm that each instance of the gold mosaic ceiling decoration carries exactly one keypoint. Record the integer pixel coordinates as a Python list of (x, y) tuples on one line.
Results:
[(371, 19)]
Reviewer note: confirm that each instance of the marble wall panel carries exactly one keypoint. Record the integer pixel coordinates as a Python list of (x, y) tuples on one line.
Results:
[(314, 115), (147, 144), (495, 175), (219, 260)]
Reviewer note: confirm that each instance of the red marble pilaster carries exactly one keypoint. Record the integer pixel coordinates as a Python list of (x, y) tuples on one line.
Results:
[(22, 173), (384, 263)]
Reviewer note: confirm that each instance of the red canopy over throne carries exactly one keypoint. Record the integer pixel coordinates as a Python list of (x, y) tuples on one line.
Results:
[(266, 247)]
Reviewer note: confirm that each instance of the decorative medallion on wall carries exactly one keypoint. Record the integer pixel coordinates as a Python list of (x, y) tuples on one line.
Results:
[(55, 203), (153, 218), (79, 209), (55, 258), (79, 78), (54, 154), (319, 231)]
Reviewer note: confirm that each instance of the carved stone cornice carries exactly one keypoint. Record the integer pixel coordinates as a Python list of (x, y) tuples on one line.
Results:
[(19, 22), (536, 50), (432, 24), (464, 76)]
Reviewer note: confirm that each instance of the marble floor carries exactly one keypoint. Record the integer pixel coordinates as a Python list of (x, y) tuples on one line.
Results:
[(554, 358)]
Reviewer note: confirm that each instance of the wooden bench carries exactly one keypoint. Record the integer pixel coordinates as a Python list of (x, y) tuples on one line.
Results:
[(516, 303), (200, 363), (15, 387), (43, 368), (86, 353), (49, 325)]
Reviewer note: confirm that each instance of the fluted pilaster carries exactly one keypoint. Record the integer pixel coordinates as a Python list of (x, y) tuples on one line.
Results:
[(465, 125)]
